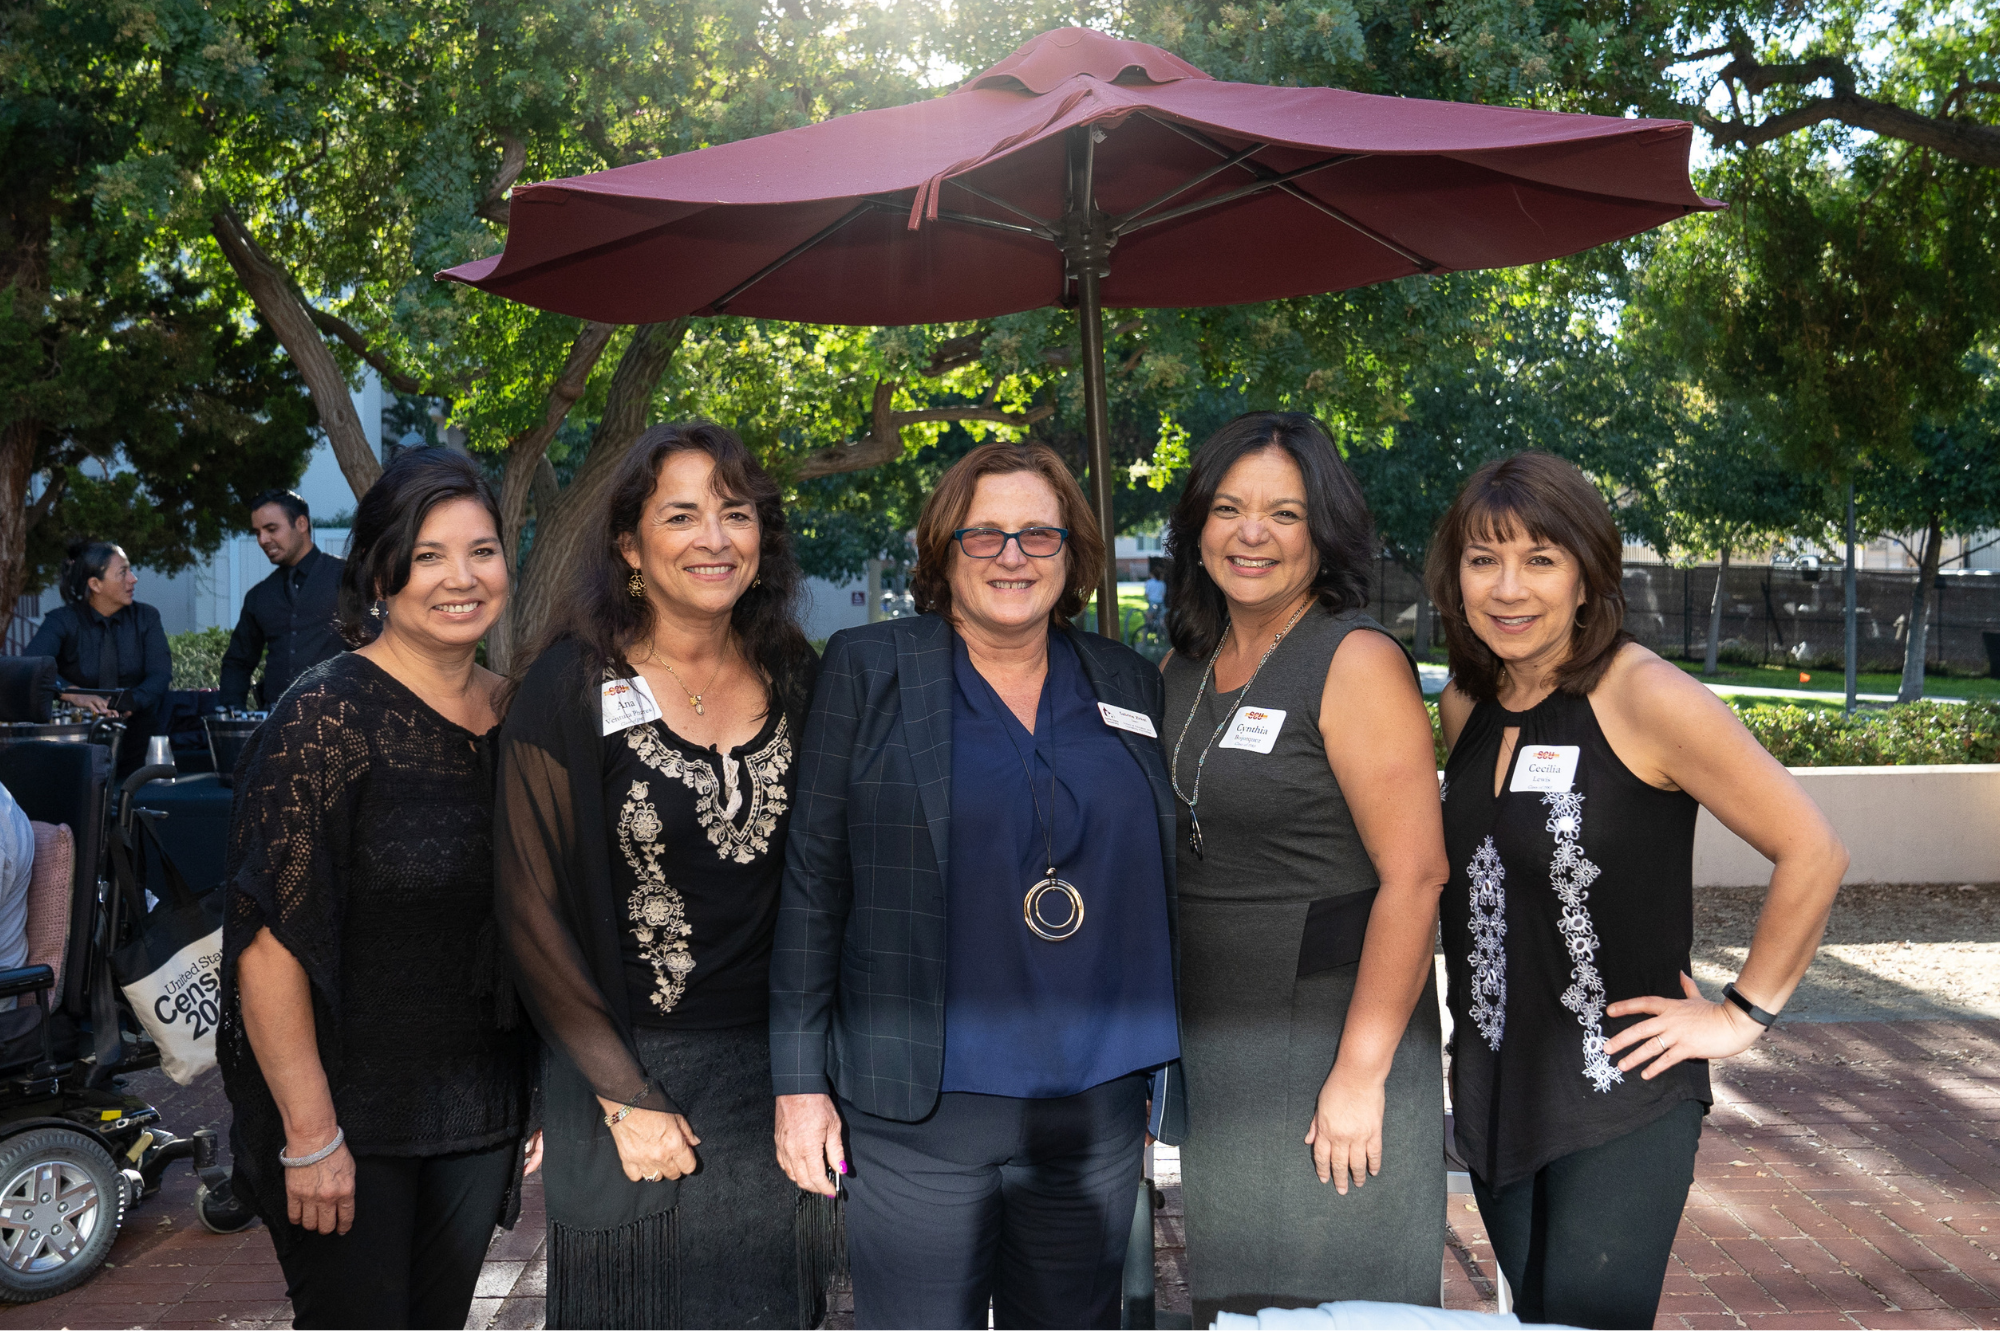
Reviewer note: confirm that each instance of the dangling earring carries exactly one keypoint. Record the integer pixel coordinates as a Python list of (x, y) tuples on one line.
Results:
[(376, 610), (635, 586), (757, 581)]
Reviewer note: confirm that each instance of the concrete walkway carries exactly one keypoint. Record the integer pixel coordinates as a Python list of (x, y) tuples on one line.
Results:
[(1849, 1177)]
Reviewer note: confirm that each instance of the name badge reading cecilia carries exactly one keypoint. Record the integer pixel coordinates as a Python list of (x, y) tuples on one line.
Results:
[(1547, 769)]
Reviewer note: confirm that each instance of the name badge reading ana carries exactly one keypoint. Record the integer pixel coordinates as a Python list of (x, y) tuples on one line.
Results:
[(628, 703), (1124, 718), (1255, 729), (1548, 769)]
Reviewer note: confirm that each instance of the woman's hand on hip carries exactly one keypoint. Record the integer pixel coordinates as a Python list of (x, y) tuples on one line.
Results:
[(532, 1161), (321, 1197), (653, 1144), (1678, 1029), (1346, 1131), (809, 1145)]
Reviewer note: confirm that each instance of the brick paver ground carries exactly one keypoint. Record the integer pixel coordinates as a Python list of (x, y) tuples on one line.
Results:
[(1849, 1177)]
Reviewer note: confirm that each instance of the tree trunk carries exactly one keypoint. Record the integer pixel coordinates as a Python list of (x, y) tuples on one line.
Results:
[(1708, 666), (17, 468), (565, 530), (285, 313), (1916, 640)]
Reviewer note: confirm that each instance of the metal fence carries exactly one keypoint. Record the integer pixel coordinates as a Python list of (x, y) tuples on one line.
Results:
[(27, 618), (1777, 615)]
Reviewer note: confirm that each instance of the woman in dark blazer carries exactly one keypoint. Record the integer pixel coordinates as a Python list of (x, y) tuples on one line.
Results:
[(103, 639), (974, 967)]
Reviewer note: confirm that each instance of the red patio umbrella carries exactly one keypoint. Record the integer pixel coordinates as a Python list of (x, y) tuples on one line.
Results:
[(1085, 170)]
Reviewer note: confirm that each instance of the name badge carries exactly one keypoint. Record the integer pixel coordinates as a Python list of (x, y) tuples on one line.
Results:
[(1255, 729), (628, 703), (1124, 718), (1549, 769)]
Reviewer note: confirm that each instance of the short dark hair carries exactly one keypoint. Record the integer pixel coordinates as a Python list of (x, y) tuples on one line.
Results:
[(1553, 502), (386, 525), (604, 618), (87, 559), (289, 500), (945, 510), (1336, 517)]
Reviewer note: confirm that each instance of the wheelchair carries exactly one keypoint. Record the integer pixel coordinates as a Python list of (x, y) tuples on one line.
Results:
[(77, 1150)]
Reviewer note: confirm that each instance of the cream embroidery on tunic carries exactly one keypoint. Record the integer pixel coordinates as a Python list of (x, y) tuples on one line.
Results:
[(762, 772), (659, 916), (1571, 875), (657, 912), (1489, 952)]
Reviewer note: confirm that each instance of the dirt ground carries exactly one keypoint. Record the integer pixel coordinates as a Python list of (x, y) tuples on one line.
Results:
[(1891, 953)]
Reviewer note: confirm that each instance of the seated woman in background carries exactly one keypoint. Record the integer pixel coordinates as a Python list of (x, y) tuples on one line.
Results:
[(103, 639), (1578, 763), (379, 1103)]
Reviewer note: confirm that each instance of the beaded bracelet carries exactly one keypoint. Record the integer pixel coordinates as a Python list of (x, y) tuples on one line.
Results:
[(613, 1120), (301, 1161)]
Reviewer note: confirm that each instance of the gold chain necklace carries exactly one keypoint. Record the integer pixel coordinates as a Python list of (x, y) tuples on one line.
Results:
[(694, 699)]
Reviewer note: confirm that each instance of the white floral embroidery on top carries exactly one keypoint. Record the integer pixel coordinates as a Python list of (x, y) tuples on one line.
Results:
[(1489, 952), (1571, 875), (658, 915), (765, 769)]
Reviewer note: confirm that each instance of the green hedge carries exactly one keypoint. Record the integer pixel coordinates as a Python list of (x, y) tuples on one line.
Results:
[(198, 657), (1909, 733), (1918, 733)]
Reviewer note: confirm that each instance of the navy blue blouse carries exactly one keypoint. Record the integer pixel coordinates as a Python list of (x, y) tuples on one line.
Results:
[(1025, 1017)]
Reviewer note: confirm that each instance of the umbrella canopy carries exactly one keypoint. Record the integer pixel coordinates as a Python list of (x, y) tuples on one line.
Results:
[(1085, 170)]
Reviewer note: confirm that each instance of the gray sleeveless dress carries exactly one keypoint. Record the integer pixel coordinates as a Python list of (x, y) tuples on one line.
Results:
[(1259, 1036)]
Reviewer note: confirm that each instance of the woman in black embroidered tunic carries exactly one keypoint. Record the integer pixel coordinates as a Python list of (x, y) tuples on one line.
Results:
[(646, 775), (379, 1103), (1579, 761)]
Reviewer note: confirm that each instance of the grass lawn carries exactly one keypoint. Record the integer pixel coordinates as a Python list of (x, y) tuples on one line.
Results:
[(1834, 681)]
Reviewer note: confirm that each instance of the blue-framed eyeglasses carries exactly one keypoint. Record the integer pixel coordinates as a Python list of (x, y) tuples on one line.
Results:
[(988, 542)]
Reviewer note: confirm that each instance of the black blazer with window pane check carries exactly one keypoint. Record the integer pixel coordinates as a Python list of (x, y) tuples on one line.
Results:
[(857, 971)]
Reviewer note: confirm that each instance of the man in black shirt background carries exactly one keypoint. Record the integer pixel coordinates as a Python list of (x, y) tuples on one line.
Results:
[(290, 613)]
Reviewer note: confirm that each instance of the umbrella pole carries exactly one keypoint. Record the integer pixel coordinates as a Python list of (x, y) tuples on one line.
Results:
[(1086, 259), (1097, 429)]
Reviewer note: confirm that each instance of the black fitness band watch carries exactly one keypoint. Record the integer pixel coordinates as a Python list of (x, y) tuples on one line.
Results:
[(1750, 1009)]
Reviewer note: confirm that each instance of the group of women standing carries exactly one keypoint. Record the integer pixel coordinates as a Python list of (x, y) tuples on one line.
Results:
[(965, 910)]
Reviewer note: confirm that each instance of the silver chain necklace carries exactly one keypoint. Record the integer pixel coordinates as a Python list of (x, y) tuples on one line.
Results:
[(1228, 713)]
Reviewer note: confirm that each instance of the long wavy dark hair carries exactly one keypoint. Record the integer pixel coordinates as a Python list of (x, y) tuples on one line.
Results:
[(1336, 516), (605, 619), (388, 520)]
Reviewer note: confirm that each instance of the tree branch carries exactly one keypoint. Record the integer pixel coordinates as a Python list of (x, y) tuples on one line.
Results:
[(287, 315), (513, 160), (350, 337), (883, 441), (1964, 140), (51, 495), (526, 450)]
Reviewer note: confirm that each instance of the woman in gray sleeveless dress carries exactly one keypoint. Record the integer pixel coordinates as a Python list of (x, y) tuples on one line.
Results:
[(1311, 856)]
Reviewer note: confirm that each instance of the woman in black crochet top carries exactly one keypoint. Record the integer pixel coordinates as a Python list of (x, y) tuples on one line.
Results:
[(379, 1103)]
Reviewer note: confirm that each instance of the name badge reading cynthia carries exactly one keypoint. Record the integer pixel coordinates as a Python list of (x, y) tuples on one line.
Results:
[(1255, 729)]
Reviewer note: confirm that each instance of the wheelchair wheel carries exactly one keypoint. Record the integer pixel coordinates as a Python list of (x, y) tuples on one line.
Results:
[(218, 1208), (61, 1202)]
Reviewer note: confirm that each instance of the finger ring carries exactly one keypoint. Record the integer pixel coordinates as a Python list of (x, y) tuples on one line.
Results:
[(1664, 1046), (652, 1178)]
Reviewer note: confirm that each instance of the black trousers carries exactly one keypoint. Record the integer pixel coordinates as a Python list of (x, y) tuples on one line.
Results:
[(421, 1226), (1025, 1202), (1585, 1241)]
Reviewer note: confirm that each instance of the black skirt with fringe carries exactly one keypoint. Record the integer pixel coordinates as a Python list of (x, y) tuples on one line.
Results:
[(741, 1247)]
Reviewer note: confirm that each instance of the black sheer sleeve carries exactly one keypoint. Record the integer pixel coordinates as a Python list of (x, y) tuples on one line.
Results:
[(291, 825), (551, 871)]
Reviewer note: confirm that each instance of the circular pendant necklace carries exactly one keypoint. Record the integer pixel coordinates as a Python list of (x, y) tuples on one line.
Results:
[(1228, 713), (1050, 894)]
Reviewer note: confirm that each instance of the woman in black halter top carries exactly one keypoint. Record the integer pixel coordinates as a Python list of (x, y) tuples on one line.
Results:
[(1579, 760)]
